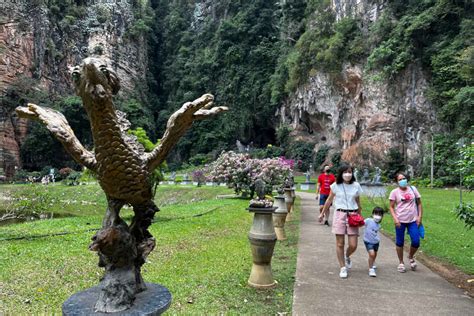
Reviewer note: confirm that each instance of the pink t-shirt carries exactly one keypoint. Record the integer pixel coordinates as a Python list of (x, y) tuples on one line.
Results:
[(405, 204)]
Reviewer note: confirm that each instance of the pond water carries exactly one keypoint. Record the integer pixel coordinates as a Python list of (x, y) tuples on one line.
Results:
[(374, 190)]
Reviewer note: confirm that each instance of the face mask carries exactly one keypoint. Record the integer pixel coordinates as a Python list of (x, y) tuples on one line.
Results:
[(377, 218), (403, 183), (347, 176), (326, 170)]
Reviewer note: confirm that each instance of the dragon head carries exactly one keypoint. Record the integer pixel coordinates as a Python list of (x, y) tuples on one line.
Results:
[(94, 81)]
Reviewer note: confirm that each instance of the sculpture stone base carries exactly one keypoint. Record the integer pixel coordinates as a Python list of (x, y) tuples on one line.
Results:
[(154, 301), (308, 186)]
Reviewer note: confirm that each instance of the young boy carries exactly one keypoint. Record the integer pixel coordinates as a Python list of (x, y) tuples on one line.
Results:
[(372, 238)]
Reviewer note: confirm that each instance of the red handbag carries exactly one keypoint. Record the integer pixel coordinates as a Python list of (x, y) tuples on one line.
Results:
[(355, 220)]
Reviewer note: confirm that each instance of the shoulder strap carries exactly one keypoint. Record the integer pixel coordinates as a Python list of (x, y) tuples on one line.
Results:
[(416, 201)]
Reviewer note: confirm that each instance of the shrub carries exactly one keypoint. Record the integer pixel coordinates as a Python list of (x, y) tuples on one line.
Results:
[(64, 172), (240, 171), (198, 176), (301, 151), (465, 212), (73, 178), (321, 156), (98, 50), (199, 159)]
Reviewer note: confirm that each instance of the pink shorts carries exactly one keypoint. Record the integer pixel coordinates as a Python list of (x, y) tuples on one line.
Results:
[(340, 225)]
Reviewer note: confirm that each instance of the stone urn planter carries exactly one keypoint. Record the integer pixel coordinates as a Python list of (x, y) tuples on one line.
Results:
[(262, 239), (279, 217), (289, 202), (293, 195)]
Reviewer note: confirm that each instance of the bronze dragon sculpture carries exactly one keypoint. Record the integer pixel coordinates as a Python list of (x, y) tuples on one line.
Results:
[(123, 170)]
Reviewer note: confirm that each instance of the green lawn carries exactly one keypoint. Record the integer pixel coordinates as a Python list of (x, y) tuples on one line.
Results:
[(446, 237), (204, 260)]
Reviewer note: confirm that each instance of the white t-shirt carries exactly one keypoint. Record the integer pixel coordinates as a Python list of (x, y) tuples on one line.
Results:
[(346, 201)]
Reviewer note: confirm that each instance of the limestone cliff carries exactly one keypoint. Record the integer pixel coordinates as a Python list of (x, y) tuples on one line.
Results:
[(358, 116), (41, 41)]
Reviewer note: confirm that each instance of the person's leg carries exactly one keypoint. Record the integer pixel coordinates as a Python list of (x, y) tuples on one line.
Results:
[(322, 201), (372, 255), (400, 240), (352, 241), (340, 250), (415, 243)]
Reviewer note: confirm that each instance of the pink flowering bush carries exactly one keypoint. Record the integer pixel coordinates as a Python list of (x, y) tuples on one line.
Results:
[(240, 171)]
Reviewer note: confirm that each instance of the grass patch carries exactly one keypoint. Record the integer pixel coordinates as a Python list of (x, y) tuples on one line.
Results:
[(446, 237), (203, 257)]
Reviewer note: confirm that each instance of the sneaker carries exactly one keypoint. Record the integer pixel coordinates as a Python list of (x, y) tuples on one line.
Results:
[(348, 263), (401, 268), (326, 223), (413, 264), (374, 267), (343, 273), (372, 272)]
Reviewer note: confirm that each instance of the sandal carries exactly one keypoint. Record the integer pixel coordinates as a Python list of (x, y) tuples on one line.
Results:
[(412, 264), (401, 268)]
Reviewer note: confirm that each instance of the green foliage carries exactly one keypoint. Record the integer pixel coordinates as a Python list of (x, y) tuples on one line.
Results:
[(465, 212), (321, 156), (199, 159), (103, 14), (87, 176), (394, 163), (324, 47), (336, 160), (143, 22), (426, 182), (439, 35), (466, 165), (73, 178), (143, 139), (283, 135), (37, 200), (302, 153)]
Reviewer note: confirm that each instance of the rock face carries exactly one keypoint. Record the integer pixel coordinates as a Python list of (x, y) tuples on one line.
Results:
[(360, 117), (38, 42)]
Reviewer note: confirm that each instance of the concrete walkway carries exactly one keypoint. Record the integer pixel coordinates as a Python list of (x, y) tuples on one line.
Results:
[(319, 290)]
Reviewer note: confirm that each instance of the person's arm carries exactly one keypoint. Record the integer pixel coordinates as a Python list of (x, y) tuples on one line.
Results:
[(392, 212), (328, 203), (420, 212), (359, 207)]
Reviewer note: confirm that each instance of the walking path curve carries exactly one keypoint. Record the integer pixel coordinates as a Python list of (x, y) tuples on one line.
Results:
[(319, 290)]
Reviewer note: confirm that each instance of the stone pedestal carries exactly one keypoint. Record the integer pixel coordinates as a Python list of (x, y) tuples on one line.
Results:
[(289, 203), (308, 186), (154, 301), (262, 239), (279, 217)]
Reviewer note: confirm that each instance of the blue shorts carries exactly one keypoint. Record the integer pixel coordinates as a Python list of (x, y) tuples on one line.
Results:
[(369, 246), (323, 198), (412, 231)]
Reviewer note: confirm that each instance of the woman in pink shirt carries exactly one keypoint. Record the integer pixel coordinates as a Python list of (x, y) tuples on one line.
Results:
[(407, 212)]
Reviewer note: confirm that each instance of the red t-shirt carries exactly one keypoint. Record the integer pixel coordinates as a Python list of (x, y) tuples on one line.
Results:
[(325, 181)]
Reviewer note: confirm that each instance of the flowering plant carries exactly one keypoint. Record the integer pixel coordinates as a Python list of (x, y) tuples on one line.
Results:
[(198, 176), (240, 171)]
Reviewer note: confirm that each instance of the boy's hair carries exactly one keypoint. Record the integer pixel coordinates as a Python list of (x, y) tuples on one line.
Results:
[(378, 210)]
